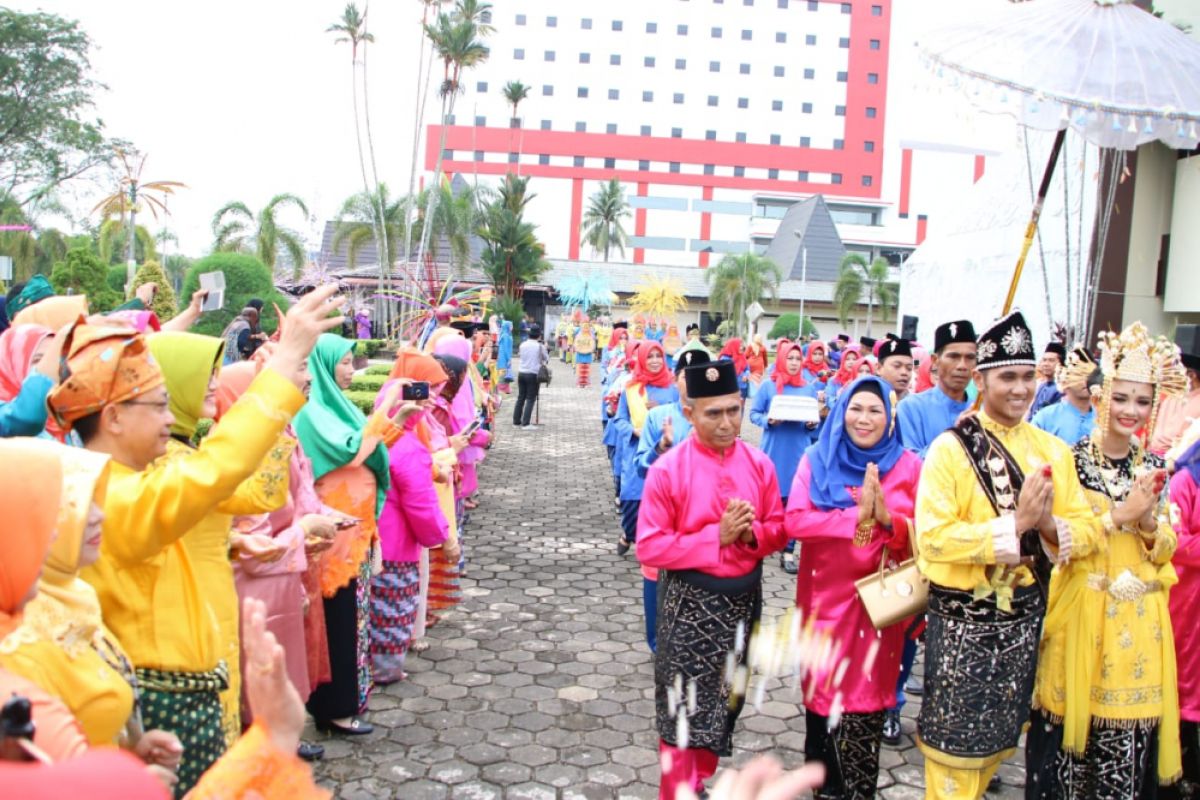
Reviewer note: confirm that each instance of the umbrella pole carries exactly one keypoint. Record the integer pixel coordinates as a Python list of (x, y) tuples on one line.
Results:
[(1031, 230)]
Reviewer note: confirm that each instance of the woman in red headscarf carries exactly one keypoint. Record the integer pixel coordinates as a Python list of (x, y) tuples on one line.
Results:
[(816, 363), (848, 371), (756, 361), (23, 388), (733, 351)]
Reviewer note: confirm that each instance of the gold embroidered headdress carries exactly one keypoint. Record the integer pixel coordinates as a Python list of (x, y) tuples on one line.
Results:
[(1134, 355), (1076, 370)]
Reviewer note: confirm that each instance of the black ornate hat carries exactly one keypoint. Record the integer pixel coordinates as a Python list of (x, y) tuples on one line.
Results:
[(893, 346), (960, 331), (691, 358), (1007, 343), (715, 379)]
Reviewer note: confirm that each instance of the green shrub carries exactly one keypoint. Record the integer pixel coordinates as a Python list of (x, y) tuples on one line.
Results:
[(164, 300), (364, 400), (378, 369), (368, 347), (116, 278), (245, 278), (368, 383), (82, 272), (787, 325)]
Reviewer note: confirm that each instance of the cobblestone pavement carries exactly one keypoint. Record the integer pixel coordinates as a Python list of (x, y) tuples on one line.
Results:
[(540, 684)]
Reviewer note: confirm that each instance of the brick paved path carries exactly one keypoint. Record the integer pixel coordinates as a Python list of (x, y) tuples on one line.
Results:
[(540, 685)]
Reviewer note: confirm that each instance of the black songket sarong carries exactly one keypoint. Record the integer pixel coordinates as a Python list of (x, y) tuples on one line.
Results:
[(699, 617)]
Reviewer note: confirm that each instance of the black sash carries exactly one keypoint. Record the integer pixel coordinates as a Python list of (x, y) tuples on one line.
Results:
[(980, 446)]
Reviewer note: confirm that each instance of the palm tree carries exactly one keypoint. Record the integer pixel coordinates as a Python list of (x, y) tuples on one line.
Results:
[(738, 282), (601, 226), (856, 276), (512, 255), (456, 40), (515, 92), (359, 219), (113, 238), (237, 229), (132, 192)]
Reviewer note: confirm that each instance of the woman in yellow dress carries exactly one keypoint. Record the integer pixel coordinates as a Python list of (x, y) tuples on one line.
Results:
[(1106, 723)]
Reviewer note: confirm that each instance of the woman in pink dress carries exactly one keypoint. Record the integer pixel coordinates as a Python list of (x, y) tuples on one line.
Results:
[(1184, 603), (853, 496)]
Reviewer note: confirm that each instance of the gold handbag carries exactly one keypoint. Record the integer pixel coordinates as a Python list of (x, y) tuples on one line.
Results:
[(894, 594)]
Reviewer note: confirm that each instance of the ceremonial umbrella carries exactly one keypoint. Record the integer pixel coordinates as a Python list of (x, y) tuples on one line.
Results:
[(1116, 74)]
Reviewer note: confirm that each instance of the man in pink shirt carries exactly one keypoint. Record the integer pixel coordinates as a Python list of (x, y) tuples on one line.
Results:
[(710, 514), (1177, 413)]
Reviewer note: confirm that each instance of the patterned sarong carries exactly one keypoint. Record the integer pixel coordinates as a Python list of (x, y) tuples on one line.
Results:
[(980, 663), (699, 618), (583, 374), (362, 620), (444, 592), (395, 595), (188, 704)]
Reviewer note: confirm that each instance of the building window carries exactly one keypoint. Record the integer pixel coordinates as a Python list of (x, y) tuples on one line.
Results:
[(876, 11), (610, 127), (872, 77), (839, 111), (479, 155), (643, 166), (845, 8), (681, 63), (839, 144), (714, 66), (810, 39), (545, 124), (868, 147), (617, 25), (781, 4), (844, 42), (780, 38), (585, 58), (843, 77), (676, 133), (779, 72), (712, 100), (710, 136), (645, 130), (519, 54), (674, 166), (651, 27), (743, 102), (802, 175), (647, 97), (447, 155), (773, 174), (610, 163), (549, 55), (739, 172), (805, 141), (874, 44), (866, 180), (740, 137), (871, 113), (481, 122), (710, 169), (481, 87), (581, 92), (744, 69), (812, 5), (747, 35), (836, 178), (681, 30), (648, 61), (615, 60), (677, 99), (614, 94), (777, 105), (809, 73), (775, 138), (806, 108), (578, 161), (716, 33), (547, 91), (581, 127), (544, 160), (551, 22), (585, 23), (747, 2), (520, 19)]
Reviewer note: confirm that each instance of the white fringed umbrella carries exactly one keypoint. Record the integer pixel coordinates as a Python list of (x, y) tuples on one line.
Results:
[(1117, 75)]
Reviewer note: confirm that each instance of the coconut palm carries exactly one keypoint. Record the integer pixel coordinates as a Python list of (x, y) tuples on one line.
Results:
[(237, 229), (112, 239), (601, 226), (512, 255), (359, 219), (738, 282), (856, 276), (131, 195), (515, 92)]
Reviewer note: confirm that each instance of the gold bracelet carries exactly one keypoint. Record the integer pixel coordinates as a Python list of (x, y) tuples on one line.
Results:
[(863, 532)]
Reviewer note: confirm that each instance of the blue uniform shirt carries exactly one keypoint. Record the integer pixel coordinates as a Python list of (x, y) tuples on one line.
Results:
[(926, 415), (1065, 421), (784, 442)]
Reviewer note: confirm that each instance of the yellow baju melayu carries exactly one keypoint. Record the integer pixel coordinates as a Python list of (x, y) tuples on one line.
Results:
[(979, 677)]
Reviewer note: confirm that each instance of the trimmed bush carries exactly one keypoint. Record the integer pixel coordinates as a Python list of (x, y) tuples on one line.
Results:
[(245, 278), (788, 324), (164, 300), (116, 278), (378, 369), (82, 272), (368, 347), (367, 383), (364, 400)]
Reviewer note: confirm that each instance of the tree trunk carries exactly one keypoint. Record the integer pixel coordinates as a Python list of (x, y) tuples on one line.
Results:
[(434, 189), (362, 166), (424, 71), (870, 309), (381, 240), (130, 261)]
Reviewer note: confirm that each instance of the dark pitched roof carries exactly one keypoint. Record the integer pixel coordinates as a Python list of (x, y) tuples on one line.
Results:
[(818, 235)]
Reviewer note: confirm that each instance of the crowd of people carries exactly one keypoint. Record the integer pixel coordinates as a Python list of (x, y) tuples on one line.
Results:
[(1048, 503), (209, 543)]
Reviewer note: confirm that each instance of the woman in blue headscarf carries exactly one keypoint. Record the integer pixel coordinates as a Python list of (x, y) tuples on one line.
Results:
[(852, 498)]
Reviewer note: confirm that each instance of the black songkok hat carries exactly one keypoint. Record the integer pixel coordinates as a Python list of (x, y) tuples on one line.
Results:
[(1007, 343), (1188, 339), (867, 342), (622, 324), (692, 327), (691, 358), (893, 346), (1059, 349), (715, 379), (961, 331), (842, 337)]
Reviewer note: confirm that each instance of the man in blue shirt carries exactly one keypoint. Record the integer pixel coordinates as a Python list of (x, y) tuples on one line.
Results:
[(1071, 418), (1048, 392), (926, 415), (896, 364)]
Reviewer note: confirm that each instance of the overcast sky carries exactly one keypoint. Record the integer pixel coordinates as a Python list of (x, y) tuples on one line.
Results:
[(243, 100)]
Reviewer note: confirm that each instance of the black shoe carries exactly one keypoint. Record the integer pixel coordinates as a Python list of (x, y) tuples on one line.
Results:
[(788, 562), (995, 784), (356, 727), (891, 728), (914, 686), (310, 752), (623, 546)]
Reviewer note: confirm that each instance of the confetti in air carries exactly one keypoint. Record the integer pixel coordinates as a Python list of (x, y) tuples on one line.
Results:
[(787, 648)]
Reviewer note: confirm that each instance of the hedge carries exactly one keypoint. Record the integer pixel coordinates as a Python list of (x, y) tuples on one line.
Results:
[(364, 400), (245, 277), (368, 347), (368, 383), (378, 369)]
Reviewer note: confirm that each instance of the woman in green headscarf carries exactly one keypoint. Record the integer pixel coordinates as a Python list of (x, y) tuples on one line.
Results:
[(190, 363), (350, 464)]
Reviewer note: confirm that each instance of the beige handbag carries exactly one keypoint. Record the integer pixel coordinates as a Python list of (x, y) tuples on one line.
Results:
[(894, 594)]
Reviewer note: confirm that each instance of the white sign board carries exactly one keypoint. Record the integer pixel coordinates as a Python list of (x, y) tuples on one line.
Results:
[(794, 408), (214, 282), (754, 311), (6, 268)]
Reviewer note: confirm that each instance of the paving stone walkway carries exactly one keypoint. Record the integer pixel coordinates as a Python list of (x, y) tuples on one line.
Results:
[(540, 686)]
